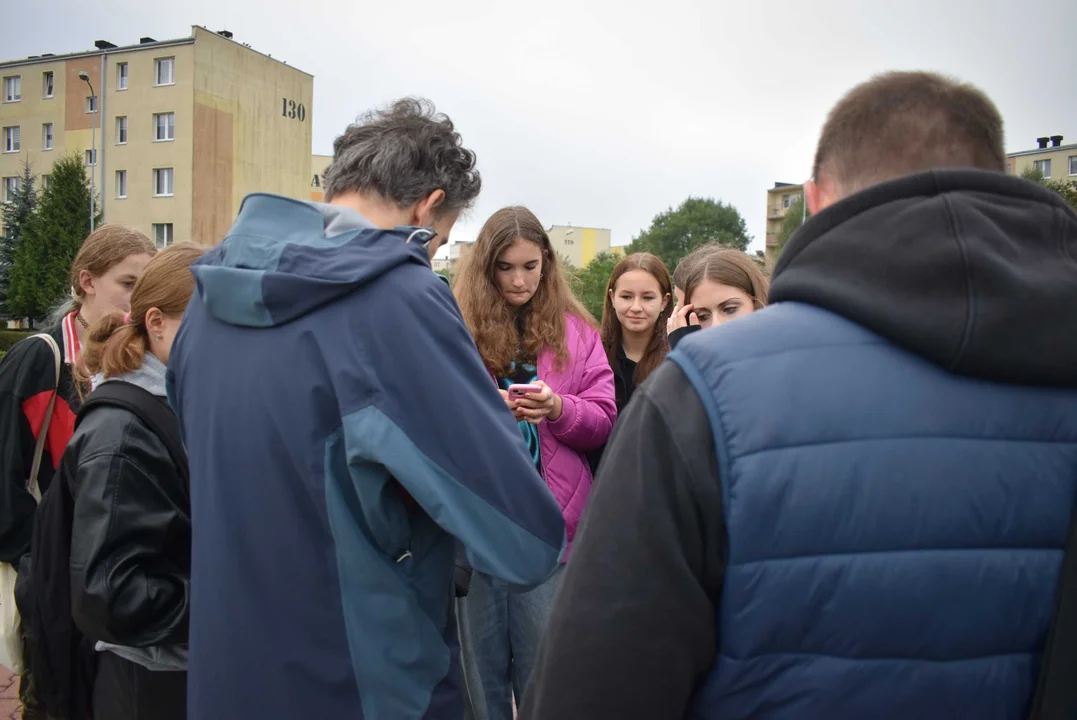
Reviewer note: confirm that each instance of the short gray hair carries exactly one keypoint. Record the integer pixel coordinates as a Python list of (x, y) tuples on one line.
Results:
[(404, 152)]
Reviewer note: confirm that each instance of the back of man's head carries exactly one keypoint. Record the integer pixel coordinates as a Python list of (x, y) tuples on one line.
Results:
[(901, 123), (404, 153)]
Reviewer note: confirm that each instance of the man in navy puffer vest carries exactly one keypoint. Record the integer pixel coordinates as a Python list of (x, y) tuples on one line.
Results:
[(853, 503)]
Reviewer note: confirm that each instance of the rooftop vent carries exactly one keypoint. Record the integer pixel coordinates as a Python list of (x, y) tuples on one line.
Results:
[(225, 33), (1042, 142), (103, 45), (1056, 141), (143, 41)]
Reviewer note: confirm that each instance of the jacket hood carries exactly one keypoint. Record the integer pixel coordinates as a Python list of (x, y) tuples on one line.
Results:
[(284, 258), (975, 271), (150, 376)]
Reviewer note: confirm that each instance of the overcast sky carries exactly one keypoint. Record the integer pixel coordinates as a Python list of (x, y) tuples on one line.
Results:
[(604, 113)]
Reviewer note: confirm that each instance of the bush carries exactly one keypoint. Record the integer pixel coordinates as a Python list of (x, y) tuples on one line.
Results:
[(10, 337)]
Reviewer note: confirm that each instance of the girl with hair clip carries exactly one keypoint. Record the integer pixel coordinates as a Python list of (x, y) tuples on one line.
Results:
[(131, 526), (723, 285), (543, 351)]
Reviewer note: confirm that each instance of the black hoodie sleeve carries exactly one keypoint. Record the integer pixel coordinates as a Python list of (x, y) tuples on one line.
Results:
[(681, 333), (633, 630)]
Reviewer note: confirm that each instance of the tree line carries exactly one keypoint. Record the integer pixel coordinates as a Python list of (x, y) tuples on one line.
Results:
[(42, 231)]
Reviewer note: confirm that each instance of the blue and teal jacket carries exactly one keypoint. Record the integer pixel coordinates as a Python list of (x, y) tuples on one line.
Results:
[(343, 434)]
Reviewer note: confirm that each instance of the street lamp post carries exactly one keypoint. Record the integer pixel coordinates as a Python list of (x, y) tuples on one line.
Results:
[(83, 75)]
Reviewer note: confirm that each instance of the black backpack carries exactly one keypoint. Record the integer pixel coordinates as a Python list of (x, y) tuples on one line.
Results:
[(61, 661)]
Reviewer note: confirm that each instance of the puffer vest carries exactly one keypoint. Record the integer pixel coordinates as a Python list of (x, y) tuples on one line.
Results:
[(895, 530)]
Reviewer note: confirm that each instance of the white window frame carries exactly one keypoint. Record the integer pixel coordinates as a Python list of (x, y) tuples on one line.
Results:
[(1038, 165), (159, 175), (121, 184), (121, 130), (11, 186), (169, 126), (163, 235), (1073, 164), (122, 72), (91, 105), (48, 84), (90, 157), (46, 136), (12, 88), (158, 63), (13, 139), (45, 180)]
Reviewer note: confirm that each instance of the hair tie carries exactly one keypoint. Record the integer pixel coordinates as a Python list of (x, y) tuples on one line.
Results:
[(127, 318)]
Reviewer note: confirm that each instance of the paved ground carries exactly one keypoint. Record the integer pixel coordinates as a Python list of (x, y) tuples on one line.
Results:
[(9, 695)]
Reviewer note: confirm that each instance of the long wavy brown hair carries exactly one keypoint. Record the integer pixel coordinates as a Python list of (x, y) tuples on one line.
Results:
[(491, 320), (612, 334)]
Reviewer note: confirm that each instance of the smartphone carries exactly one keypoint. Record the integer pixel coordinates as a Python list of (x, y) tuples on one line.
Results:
[(521, 390)]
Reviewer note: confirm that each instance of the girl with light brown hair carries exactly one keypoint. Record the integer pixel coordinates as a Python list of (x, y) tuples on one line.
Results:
[(131, 523), (530, 330), (723, 285)]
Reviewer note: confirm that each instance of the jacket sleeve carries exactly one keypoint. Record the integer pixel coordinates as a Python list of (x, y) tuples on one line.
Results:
[(130, 513), (21, 372), (437, 424), (636, 612), (587, 416)]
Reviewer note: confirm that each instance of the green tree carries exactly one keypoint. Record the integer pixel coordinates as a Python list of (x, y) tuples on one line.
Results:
[(591, 282), (1066, 189), (51, 237), (793, 219), (674, 233), (14, 216)]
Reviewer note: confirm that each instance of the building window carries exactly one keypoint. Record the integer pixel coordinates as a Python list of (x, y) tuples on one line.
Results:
[(13, 88), (47, 84), (1073, 164), (91, 104), (121, 130), (789, 200), (121, 183), (164, 127), (1044, 166), (91, 157), (162, 182), (162, 234), (45, 179), (11, 187), (46, 136), (12, 139), (164, 71), (121, 76)]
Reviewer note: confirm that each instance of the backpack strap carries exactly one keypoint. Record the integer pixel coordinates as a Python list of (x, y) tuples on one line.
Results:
[(1056, 692), (32, 485), (153, 411)]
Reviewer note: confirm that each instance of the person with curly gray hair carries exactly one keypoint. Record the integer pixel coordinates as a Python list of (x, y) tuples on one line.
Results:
[(343, 436)]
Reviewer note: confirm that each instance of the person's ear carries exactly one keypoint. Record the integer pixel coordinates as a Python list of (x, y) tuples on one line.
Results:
[(424, 210), (155, 322)]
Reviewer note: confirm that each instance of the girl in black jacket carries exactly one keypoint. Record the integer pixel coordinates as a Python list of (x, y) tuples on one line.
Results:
[(131, 527), (637, 306)]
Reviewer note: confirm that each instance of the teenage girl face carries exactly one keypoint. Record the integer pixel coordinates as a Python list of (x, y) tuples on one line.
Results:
[(518, 270), (111, 291), (716, 303), (638, 300)]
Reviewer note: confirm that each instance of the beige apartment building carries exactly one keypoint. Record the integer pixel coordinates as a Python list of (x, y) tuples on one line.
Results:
[(779, 199), (579, 244), (318, 165), (183, 129), (1055, 160)]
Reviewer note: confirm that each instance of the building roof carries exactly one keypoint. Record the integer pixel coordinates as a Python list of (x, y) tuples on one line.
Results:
[(1042, 151), (784, 187), (150, 43)]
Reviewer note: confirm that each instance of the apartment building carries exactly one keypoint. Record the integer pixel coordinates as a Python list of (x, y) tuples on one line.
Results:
[(176, 132), (779, 199), (579, 244), (1053, 159)]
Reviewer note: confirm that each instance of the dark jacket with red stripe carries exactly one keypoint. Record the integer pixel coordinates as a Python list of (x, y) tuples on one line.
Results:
[(27, 374)]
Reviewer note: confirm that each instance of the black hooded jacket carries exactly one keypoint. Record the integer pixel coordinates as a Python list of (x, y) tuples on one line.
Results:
[(974, 271)]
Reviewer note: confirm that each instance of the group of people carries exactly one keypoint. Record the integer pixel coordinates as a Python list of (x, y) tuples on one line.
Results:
[(851, 499)]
